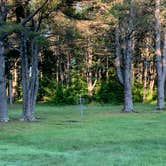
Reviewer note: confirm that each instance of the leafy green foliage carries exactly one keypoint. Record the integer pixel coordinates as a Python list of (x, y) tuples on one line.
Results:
[(137, 92), (47, 88), (50, 90), (71, 12), (110, 92), (9, 28), (38, 38)]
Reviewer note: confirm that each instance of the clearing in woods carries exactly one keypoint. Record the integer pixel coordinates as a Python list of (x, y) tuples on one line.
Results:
[(101, 137)]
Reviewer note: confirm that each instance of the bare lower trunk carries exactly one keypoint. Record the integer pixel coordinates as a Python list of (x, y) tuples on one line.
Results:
[(160, 66), (160, 95), (151, 88), (128, 101), (152, 79), (118, 57), (3, 99), (164, 59), (145, 80), (89, 71), (68, 70), (26, 114), (29, 80), (10, 92), (34, 83), (90, 83), (125, 76), (14, 81), (160, 88), (107, 68)]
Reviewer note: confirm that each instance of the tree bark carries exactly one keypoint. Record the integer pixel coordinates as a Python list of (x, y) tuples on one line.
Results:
[(145, 80), (30, 65), (90, 83), (68, 68), (159, 62), (125, 76), (128, 102), (118, 57), (34, 83), (3, 98), (26, 115), (29, 79), (14, 81), (10, 92)]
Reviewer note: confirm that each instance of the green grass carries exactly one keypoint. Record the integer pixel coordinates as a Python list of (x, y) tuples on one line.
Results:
[(102, 137)]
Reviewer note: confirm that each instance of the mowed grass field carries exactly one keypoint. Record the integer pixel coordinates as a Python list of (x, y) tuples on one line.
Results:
[(101, 137)]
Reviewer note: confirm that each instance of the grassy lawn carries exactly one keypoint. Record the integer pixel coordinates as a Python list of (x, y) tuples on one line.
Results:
[(101, 137)]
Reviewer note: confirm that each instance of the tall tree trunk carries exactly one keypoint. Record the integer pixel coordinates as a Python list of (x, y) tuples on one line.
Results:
[(152, 78), (68, 69), (26, 115), (57, 52), (159, 64), (14, 81), (89, 71), (128, 102), (125, 77), (164, 61), (107, 68), (3, 99), (34, 83), (145, 80), (90, 83), (10, 92), (118, 57), (29, 79)]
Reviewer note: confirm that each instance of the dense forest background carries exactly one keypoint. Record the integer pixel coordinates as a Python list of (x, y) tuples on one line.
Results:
[(104, 51)]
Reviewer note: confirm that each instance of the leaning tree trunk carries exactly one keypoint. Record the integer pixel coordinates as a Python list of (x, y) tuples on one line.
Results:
[(3, 99), (159, 61)]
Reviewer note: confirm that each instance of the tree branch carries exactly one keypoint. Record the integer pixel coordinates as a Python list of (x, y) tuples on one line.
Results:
[(33, 14)]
